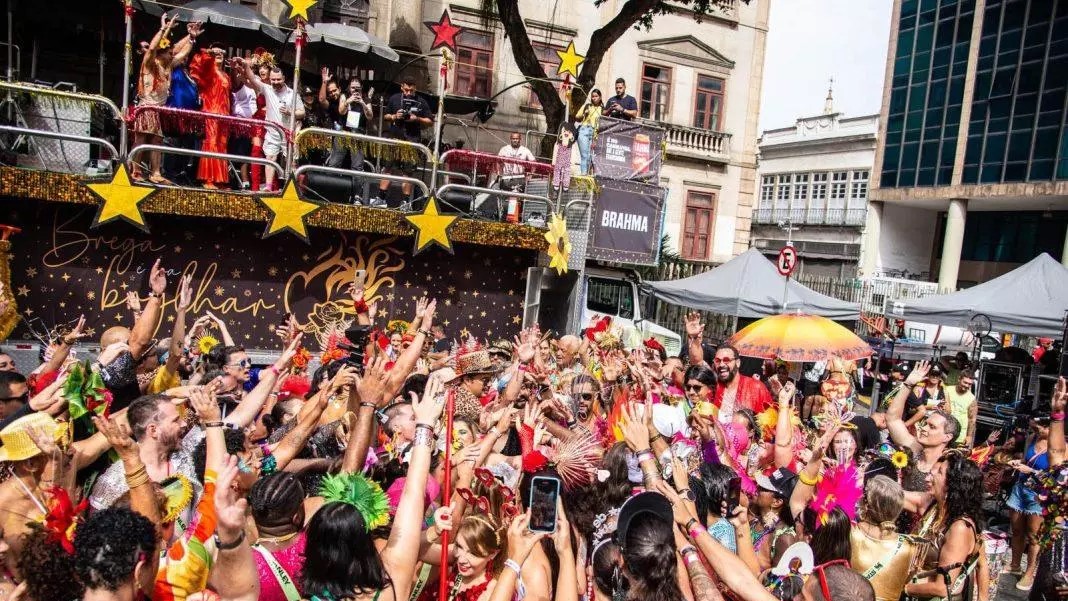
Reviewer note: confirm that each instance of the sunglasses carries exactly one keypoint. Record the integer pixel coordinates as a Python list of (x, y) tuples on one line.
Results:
[(695, 387), (244, 363), (586, 396), (819, 570), (720, 361)]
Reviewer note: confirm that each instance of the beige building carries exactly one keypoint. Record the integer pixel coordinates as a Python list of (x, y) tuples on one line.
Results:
[(699, 81)]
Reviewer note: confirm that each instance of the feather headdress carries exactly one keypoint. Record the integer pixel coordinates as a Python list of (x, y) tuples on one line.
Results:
[(838, 488), (362, 493)]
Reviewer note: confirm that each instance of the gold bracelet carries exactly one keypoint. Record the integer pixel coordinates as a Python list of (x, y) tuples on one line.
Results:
[(137, 471), (139, 479), (807, 481)]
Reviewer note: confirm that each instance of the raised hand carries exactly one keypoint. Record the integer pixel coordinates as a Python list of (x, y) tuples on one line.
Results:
[(230, 506), (325, 72), (918, 373), (157, 279), (428, 314), (521, 539), (133, 302), (372, 385), (635, 433), (185, 293), (428, 409), (205, 404), (77, 333), (290, 352), (1060, 396), (117, 435), (112, 352), (786, 394)]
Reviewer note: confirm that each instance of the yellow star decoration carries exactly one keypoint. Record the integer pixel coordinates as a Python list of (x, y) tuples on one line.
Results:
[(288, 212), (569, 60), (299, 8), (121, 199), (559, 244), (431, 227)]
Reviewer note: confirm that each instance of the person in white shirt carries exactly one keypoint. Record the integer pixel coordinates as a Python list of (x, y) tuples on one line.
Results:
[(243, 105), (512, 174), (280, 105)]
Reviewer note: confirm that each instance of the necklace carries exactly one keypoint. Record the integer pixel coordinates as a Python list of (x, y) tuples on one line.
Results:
[(277, 539), (760, 536)]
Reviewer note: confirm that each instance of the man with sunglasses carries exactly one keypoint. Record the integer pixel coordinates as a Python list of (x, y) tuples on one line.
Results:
[(935, 432), (733, 390)]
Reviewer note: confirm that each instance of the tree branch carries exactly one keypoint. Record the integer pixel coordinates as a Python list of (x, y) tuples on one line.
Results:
[(523, 52)]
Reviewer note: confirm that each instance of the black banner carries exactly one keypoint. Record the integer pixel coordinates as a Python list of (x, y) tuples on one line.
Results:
[(627, 150), (626, 222), (62, 268)]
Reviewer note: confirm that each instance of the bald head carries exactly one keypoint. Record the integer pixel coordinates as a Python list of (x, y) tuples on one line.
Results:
[(113, 335), (569, 348)]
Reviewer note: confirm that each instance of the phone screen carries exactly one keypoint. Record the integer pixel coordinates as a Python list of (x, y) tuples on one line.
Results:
[(734, 494), (543, 494)]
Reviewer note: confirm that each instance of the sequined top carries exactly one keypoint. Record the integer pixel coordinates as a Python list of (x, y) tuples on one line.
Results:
[(291, 558), (885, 563)]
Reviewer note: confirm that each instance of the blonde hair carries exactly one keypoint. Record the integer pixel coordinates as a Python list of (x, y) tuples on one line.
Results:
[(883, 501), (483, 539)]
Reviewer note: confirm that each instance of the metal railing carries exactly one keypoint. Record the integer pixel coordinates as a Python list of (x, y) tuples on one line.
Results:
[(141, 148), (364, 175), (19, 86), (331, 133), (811, 216), (479, 196), (200, 116), (22, 131), (444, 175), (694, 141)]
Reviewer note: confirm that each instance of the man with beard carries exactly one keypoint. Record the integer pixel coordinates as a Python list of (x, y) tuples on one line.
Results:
[(934, 433), (158, 429), (735, 391)]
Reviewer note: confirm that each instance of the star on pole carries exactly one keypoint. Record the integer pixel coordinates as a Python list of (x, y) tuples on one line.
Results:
[(299, 8), (444, 32), (121, 199), (431, 227), (569, 60), (288, 212)]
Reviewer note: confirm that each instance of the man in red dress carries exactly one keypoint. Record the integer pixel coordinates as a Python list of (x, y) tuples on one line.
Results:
[(733, 390)]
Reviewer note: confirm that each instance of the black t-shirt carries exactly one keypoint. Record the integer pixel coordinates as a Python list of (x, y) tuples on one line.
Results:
[(442, 346), (626, 102), (407, 130), (334, 119)]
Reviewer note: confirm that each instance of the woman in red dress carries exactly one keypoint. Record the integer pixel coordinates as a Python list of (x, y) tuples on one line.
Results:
[(207, 70)]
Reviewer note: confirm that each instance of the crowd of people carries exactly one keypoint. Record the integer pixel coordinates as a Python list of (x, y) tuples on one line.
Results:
[(244, 107), (398, 465)]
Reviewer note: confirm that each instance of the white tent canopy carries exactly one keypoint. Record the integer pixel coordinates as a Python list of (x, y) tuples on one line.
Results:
[(1030, 300), (749, 286)]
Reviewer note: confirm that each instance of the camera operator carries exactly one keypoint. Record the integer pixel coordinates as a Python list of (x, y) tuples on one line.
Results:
[(622, 105), (350, 113), (407, 114)]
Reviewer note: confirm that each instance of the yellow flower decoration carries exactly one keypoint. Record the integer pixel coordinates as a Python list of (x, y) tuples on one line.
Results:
[(164, 44), (559, 244), (899, 459), (206, 343), (398, 326)]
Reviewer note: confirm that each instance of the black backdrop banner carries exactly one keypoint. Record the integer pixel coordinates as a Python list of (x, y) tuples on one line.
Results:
[(628, 150), (62, 269), (626, 222)]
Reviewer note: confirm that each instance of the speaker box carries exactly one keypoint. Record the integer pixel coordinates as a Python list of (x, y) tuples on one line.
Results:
[(331, 188)]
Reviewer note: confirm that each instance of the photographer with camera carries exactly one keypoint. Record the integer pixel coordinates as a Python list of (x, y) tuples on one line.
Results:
[(407, 114), (345, 112), (622, 105)]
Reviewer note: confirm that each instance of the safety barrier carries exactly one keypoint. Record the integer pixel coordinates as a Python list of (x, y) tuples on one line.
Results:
[(305, 137), (198, 117), (364, 175), (30, 88), (479, 196), (23, 131), (141, 148)]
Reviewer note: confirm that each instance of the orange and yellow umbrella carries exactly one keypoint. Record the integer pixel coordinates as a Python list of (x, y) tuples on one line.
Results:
[(798, 337)]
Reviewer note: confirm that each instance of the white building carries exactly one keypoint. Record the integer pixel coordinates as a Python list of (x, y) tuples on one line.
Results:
[(814, 181)]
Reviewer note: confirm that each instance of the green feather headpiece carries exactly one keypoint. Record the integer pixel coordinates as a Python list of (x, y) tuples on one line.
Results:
[(360, 492)]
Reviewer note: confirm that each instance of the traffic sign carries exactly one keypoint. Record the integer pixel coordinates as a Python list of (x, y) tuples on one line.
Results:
[(787, 260)]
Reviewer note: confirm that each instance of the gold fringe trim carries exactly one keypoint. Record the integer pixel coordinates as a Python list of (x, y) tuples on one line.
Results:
[(387, 152)]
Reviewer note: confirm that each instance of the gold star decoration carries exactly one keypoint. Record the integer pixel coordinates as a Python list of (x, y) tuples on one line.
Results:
[(178, 249), (431, 227), (121, 199), (288, 212), (124, 285), (516, 319), (31, 272), (569, 60), (99, 270), (559, 244), (272, 271), (235, 273), (452, 289), (465, 333), (90, 295), (24, 291), (66, 277), (299, 8)]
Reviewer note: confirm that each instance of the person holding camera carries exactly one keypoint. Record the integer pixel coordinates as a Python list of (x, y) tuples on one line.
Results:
[(349, 112), (622, 105), (407, 114)]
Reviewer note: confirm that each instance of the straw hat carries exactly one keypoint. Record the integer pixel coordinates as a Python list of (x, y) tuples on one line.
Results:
[(472, 359), (16, 441)]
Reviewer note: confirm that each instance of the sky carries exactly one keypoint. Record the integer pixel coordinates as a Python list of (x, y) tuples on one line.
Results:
[(810, 41)]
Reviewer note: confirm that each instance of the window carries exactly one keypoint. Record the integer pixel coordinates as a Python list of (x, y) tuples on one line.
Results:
[(819, 187), (767, 189), (858, 192), (697, 227), (474, 65), (800, 188), (610, 297), (839, 181), (708, 106), (656, 92), (550, 62)]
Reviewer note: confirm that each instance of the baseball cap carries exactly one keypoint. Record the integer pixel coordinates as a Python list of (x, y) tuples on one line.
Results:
[(646, 502), (901, 368), (781, 481), (937, 371)]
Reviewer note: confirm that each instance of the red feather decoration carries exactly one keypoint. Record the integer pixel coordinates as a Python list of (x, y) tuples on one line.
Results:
[(63, 518)]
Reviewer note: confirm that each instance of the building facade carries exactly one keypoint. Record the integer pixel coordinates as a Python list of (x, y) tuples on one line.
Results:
[(814, 180), (971, 175)]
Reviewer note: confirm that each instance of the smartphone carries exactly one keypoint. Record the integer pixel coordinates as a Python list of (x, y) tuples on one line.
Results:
[(734, 495), (360, 279), (543, 495)]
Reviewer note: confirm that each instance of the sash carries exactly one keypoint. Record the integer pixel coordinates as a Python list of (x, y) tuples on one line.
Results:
[(879, 565), (280, 574)]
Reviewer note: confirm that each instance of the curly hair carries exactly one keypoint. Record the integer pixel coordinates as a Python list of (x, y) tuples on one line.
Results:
[(964, 491), (235, 444), (109, 546), (47, 569), (617, 487)]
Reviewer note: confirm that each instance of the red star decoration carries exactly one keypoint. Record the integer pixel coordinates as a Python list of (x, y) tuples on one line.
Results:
[(444, 32)]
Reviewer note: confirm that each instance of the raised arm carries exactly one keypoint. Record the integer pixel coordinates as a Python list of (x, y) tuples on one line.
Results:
[(784, 427), (181, 307), (308, 419), (148, 322), (899, 431), (253, 403), (253, 80), (326, 77), (805, 488), (142, 492), (185, 45), (694, 330), (61, 350), (400, 553), (406, 362), (235, 560), (368, 392)]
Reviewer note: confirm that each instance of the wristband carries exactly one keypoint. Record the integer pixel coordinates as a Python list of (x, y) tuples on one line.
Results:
[(1057, 417), (806, 480), (690, 524), (368, 404), (512, 565), (217, 424), (231, 545), (645, 455), (695, 531), (655, 437), (493, 431), (424, 332), (157, 295)]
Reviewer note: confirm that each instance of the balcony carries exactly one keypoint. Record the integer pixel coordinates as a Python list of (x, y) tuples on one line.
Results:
[(694, 143), (811, 216)]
